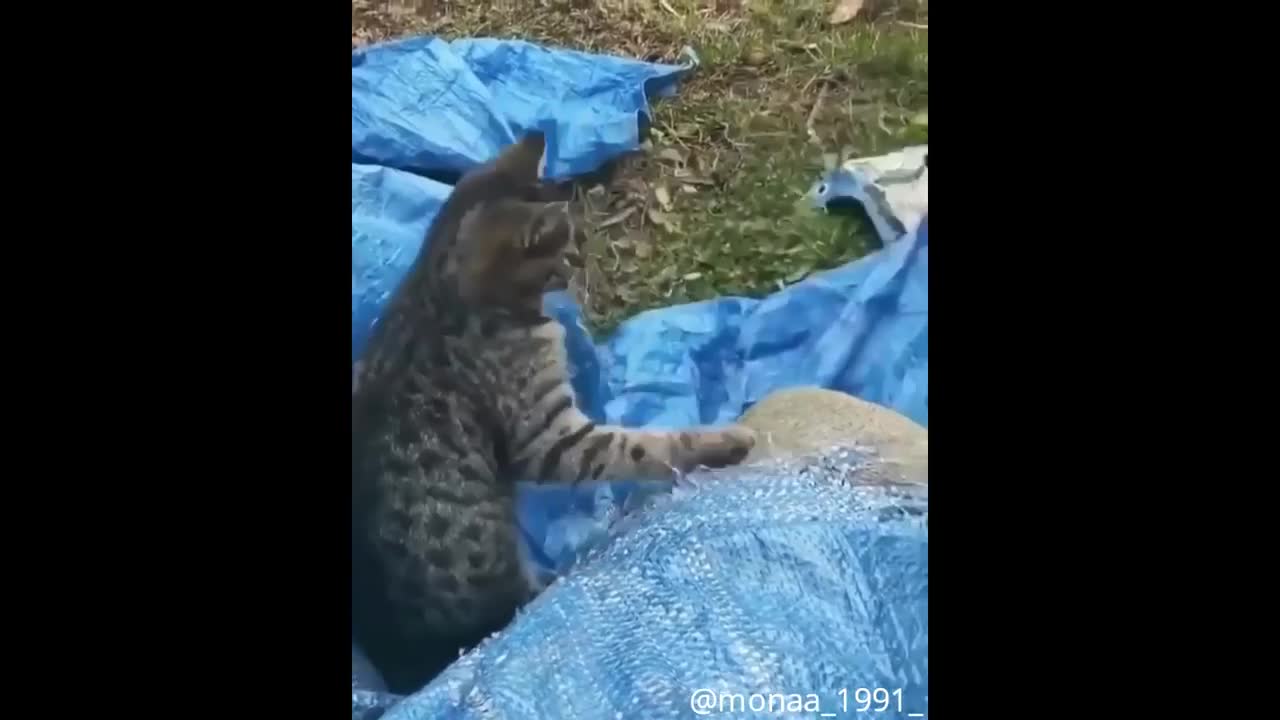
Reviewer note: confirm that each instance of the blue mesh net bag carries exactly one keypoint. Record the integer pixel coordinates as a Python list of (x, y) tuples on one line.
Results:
[(783, 589)]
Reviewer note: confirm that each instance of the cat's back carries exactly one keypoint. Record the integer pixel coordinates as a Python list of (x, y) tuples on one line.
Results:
[(411, 399)]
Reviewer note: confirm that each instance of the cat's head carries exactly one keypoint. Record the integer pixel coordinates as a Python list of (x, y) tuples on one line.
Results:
[(511, 243), (512, 250)]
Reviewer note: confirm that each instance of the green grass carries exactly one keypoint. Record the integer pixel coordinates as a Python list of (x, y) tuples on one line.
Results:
[(716, 206)]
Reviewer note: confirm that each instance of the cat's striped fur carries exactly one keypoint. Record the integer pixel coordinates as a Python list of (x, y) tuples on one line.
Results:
[(462, 391)]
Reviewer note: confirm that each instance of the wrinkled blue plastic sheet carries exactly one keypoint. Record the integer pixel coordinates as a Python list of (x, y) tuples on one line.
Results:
[(779, 584), (430, 107), (434, 106)]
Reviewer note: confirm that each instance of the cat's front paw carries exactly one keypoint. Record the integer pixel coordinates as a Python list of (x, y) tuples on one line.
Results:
[(730, 446)]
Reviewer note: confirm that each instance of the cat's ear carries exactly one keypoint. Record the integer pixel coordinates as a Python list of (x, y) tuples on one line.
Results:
[(550, 228), (522, 160)]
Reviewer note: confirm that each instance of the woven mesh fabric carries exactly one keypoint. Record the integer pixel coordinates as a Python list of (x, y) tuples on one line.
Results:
[(781, 588)]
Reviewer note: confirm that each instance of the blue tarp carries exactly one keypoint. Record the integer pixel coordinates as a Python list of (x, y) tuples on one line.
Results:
[(773, 583)]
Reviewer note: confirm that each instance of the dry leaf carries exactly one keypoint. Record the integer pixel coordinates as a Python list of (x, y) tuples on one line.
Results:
[(684, 177), (659, 218), (798, 274), (633, 187), (794, 46), (671, 154), (663, 197), (845, 11), (693, 276), (616, 219)]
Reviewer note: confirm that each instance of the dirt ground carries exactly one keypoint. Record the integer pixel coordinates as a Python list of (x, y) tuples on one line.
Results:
[(714, 206)]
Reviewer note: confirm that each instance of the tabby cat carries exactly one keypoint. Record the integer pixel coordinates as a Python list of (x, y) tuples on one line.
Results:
[(461, 392)]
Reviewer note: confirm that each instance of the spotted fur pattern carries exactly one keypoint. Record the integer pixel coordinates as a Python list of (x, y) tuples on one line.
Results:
[(462, 391)]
